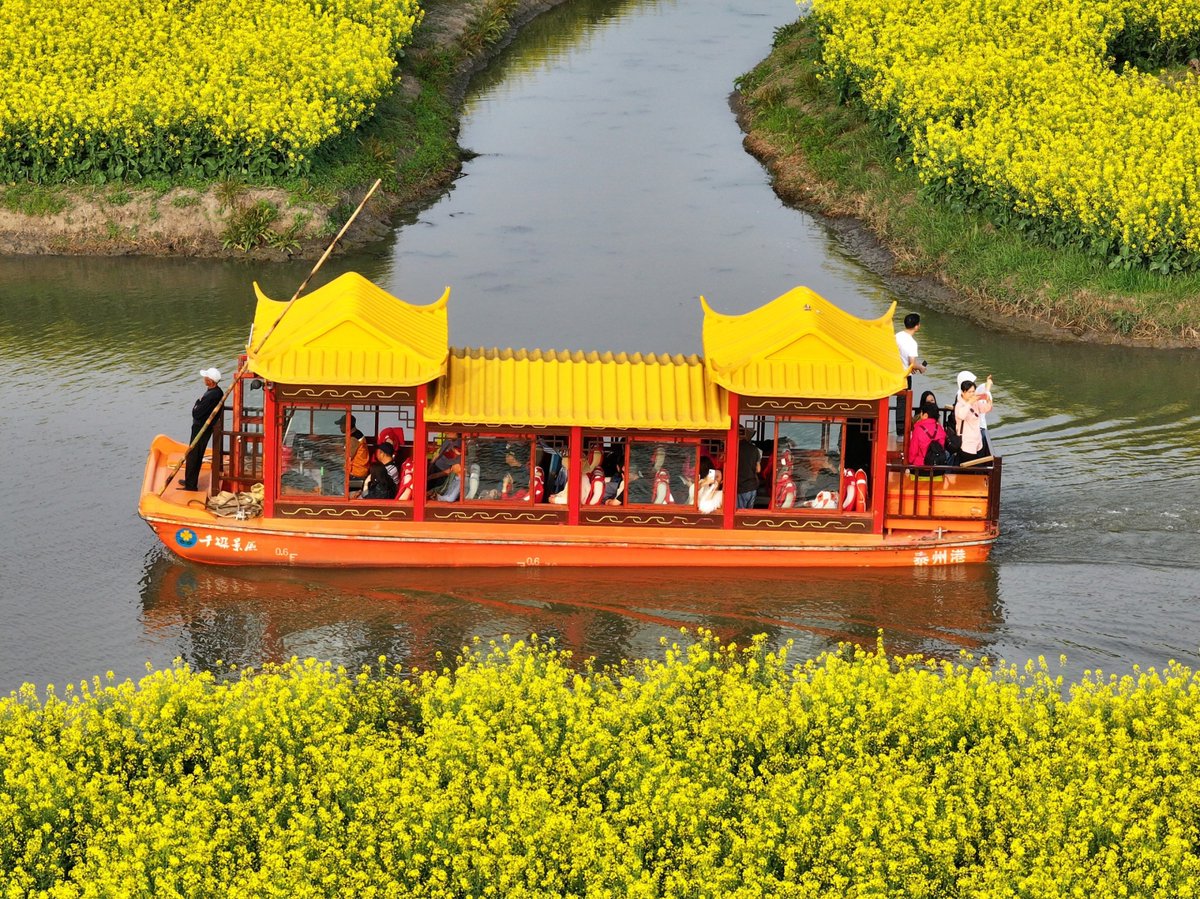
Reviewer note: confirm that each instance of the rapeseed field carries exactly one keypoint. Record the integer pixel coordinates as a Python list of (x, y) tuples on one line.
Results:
[(713, 771), (1078, 120), (96, 90)]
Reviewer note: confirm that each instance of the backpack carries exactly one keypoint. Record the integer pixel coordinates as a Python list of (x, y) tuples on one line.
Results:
[(936, 454), (953, 437)]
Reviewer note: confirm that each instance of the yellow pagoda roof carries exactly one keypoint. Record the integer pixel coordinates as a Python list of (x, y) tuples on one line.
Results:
[(352, 333), (558, 388), (802, 345)]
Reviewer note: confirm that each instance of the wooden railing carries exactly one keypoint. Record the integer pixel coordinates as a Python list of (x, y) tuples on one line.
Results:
[(923, 488)]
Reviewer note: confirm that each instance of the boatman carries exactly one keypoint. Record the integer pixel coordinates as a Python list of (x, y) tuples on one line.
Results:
[(906, 341), (201, 433)]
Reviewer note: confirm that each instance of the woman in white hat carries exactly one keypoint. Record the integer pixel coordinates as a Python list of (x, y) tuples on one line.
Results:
[(984, 391), (201, 411)]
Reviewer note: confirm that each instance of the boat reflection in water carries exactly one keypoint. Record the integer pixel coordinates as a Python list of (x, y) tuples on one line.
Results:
[(248, 617)]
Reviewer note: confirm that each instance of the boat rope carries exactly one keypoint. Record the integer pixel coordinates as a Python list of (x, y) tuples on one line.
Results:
[(243, 365)]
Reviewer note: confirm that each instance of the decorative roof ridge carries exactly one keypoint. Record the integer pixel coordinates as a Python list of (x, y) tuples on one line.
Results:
[(607, 356)]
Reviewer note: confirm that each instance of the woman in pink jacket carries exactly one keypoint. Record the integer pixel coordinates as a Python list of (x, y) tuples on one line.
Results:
[(967, 410), (925, 431)]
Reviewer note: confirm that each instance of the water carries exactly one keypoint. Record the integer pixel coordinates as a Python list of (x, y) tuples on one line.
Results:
[(610, 191)]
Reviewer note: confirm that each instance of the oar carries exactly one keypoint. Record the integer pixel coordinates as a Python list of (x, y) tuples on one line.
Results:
[(241, 370)]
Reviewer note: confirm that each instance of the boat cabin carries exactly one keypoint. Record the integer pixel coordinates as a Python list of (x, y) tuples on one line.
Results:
[(504, 436)]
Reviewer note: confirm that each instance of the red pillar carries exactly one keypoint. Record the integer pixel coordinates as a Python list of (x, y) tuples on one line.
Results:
[(879, 465), (729, 477), (420, 462), (271, 438), (574, 474)]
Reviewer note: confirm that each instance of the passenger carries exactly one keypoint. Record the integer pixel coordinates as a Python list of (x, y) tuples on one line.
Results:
[(709, 495), (968, 411), (613, 466), (514, 483), (926, 398), (386, 453), (785, 484), (638, 490), (379, 484), (359, 453), (445, 464), (451, 485), (593, 481), (928, 430), (560, 496), (749, 457), (983, 390), (662, 478), (906, 343)]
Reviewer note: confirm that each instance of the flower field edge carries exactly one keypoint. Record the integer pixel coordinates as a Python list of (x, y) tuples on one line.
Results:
[(715, 770)]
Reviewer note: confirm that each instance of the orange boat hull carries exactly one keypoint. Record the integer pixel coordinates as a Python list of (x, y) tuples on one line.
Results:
[(188, 529)]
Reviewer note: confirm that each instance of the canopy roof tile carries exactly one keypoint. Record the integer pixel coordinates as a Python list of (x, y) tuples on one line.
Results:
[(541, 388), (802, 345), (349, 332)]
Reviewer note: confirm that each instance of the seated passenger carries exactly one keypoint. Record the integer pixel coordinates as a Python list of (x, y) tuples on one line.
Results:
[(358, 453), (404, 486), (438, 472), (450, 486), (785, 484), (514, 483), (638, 490), (594, 482), (662, 478), (386, 453), (379, 484), (709, 495), (927, 431)]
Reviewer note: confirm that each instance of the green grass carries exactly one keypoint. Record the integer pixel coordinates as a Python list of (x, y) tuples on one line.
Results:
[(829, 155), (34, 199)]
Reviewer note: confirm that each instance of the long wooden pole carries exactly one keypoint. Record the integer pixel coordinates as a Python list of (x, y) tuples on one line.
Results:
[(241, 370)]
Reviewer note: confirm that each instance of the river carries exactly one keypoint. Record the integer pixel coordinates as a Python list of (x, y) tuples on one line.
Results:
[(610, 190)]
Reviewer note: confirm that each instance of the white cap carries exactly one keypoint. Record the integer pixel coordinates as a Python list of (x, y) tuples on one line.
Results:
[(212, 374), (964, 376)]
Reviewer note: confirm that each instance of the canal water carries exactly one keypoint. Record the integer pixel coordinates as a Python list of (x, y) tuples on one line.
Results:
[(609, 192)]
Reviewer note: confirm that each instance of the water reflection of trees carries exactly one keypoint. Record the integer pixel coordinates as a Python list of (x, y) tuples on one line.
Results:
[(248, 617)]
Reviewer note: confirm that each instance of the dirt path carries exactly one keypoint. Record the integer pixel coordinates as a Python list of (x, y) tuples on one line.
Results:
[(124, 220)]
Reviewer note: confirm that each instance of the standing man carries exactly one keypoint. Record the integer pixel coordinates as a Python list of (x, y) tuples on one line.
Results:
[(749, 457), (906, 340), (202, 409)]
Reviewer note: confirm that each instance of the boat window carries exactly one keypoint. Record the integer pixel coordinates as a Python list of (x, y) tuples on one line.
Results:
[(483, 468), (802, 462), (601, 471), (325, 450), (807, 465), (661, 471), (313, 452)]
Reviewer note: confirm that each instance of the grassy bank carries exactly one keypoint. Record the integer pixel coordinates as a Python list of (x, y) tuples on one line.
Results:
[(826, 155), (711, 772), (410, 143)]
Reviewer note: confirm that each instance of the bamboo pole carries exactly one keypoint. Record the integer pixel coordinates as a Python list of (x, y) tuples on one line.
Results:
[(241, 369)]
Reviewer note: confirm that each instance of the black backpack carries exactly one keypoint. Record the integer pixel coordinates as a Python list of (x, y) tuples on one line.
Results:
[(936, 454), (953, 438)]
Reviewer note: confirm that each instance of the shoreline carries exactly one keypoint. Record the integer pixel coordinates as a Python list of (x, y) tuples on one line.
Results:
[(826, 158), (856, 237)]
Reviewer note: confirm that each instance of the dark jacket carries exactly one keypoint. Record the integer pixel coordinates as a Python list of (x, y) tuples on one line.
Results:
[(203, 408)]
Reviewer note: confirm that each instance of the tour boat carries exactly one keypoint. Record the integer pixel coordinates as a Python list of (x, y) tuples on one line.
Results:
[(509, 457)]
